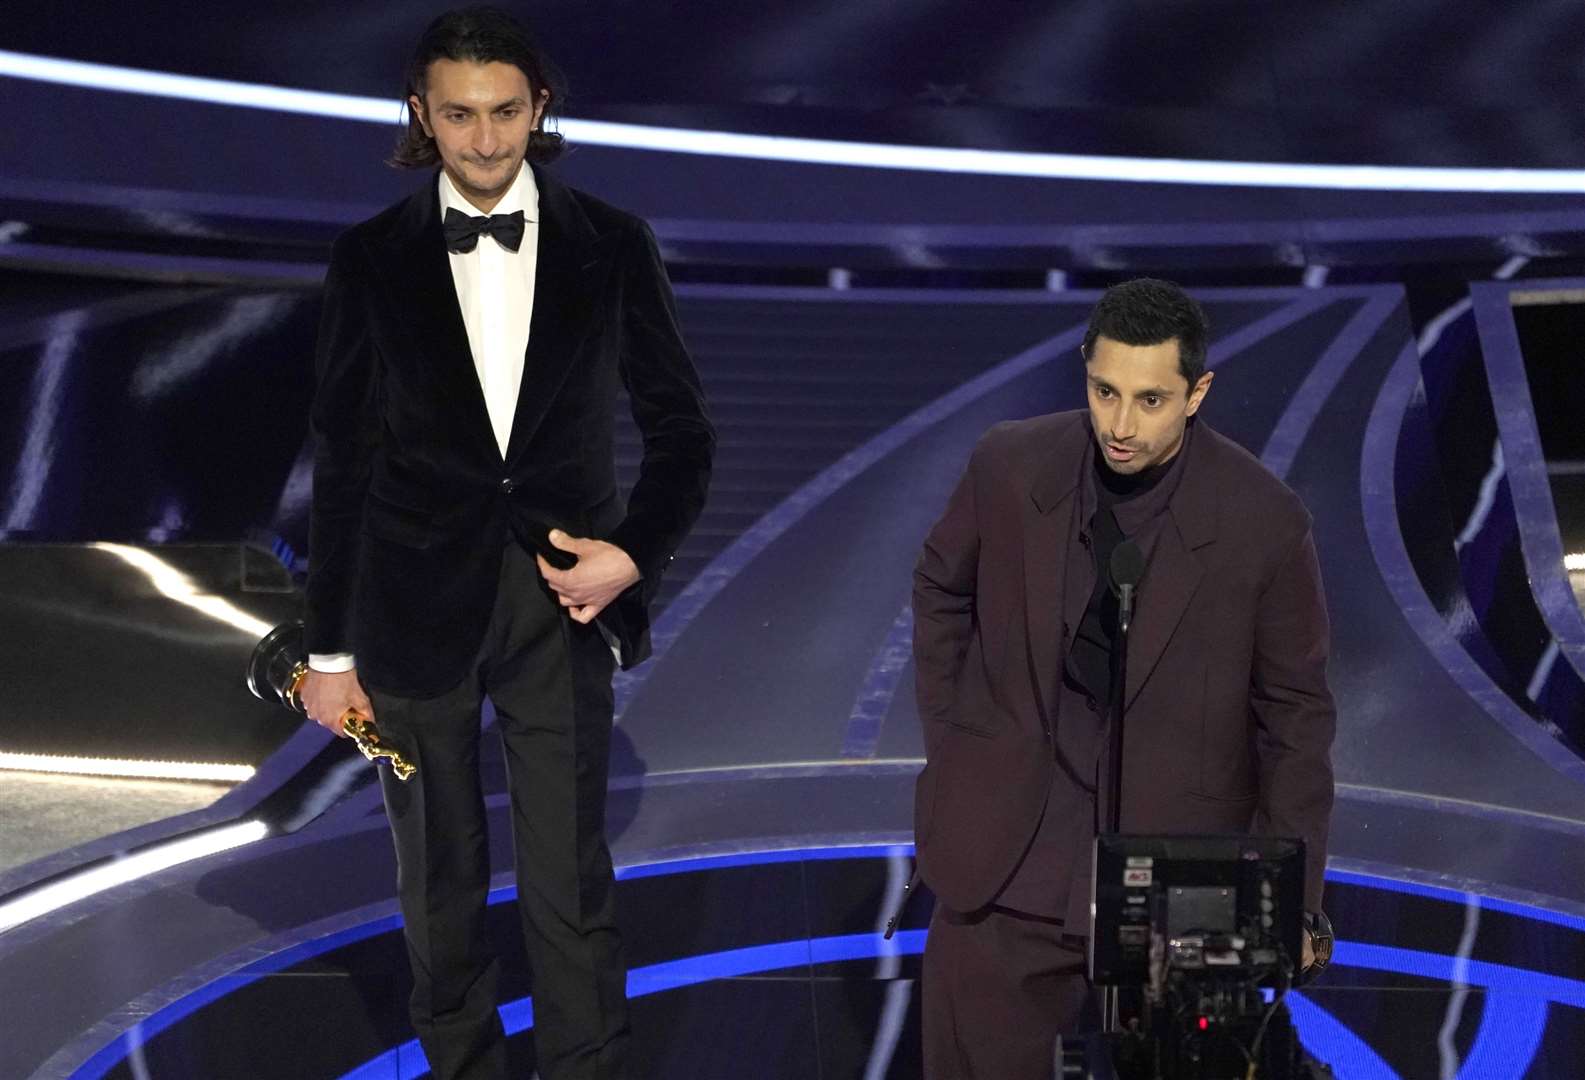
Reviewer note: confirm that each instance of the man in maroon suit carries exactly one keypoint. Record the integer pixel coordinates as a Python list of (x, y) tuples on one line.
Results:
[(1228, 724)]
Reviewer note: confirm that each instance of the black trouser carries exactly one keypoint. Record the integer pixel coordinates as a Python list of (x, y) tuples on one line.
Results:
[(999, 987), (550, 681)]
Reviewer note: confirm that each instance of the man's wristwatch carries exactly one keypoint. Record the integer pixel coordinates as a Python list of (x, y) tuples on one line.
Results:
[(1319, 927)]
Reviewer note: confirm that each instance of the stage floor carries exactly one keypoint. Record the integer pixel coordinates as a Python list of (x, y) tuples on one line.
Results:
[(768, 965)]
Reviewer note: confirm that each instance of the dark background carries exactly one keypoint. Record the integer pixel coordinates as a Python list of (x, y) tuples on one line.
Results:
[(1411, 82)]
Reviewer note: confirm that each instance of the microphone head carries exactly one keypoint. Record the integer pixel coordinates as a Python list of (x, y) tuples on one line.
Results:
[(1127, 565)]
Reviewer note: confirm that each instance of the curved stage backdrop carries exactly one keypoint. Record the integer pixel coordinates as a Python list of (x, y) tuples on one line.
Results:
[(1381, 217)]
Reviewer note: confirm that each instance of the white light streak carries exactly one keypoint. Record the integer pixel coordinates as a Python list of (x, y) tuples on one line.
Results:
[(1072, 166), (1574, 561), (1543, 671), (1511, 267), (182, 360), (1486, 499), (1438, 326), (86, 883), (38, 451), (1447, 1049), (127, 767), (172, 583), (50, 69), (823, 151), (889, 1032)]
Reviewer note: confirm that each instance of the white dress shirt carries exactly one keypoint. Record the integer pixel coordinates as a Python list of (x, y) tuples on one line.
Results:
[(495, 291)]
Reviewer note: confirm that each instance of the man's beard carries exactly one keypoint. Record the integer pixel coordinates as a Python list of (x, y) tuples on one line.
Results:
[(506, 175)]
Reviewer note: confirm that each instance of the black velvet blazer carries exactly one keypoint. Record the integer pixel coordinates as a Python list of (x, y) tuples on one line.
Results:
[(413, 502)]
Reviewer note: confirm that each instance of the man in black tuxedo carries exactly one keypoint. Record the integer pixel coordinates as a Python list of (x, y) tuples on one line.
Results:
[(474, 339)]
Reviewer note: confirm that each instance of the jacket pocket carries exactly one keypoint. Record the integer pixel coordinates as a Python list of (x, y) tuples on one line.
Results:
[(398, 524), (983, 731), (1247, 799)]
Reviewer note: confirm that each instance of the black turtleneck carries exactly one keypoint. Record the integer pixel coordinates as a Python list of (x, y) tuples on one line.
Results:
[(1090, 658), (1115, 487)]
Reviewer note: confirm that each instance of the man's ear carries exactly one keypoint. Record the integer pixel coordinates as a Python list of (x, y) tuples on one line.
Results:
[(416, 107), (1197, 395)]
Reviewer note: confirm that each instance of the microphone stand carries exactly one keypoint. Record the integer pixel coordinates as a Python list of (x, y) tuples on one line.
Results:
[(1111, 1019), (1114, 787)]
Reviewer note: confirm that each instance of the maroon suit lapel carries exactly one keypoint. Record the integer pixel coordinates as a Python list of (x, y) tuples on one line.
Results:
[(1175, 570), (1047, 531)]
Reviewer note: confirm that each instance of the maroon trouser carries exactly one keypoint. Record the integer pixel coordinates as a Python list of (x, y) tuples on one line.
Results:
[(999, 987)]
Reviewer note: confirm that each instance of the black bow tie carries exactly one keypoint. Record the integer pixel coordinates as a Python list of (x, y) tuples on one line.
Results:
[(463, 230)]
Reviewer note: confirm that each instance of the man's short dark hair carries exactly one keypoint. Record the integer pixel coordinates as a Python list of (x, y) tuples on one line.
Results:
[(1149, 311), (480, 35)]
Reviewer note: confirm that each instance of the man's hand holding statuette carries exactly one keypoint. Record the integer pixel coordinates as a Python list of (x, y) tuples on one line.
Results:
[(328, 695)]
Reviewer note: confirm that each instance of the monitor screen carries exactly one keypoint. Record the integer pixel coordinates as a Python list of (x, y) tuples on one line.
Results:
[(1211, 906)]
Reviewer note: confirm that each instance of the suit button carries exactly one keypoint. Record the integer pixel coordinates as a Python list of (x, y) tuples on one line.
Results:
[(508, 485)]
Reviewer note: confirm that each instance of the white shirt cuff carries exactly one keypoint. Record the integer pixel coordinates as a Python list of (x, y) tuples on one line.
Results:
[(330, 663), (610, 641)]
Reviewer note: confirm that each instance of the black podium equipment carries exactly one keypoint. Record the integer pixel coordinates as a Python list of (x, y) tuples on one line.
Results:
[(1204, 931)]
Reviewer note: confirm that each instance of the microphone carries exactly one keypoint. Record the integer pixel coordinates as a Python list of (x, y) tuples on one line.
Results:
[(1127, 567)]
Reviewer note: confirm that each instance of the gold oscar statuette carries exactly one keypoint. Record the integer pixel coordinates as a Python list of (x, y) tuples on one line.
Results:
[(362, 730), (276, 672)]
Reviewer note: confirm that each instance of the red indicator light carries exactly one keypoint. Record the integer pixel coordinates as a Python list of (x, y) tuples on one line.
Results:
[(1204, 1024)]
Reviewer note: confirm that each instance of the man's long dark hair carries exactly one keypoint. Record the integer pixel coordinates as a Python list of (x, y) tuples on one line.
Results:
[(1149, 311), (480, 35)]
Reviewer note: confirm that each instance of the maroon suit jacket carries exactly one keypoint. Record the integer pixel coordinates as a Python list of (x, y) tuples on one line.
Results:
[(1229, 720)]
